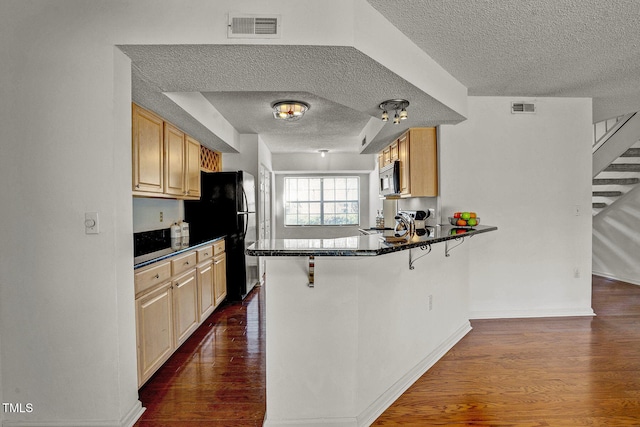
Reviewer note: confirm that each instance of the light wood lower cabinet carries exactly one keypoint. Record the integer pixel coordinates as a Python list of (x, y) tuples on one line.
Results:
[(154, 317), (185, 306), (173, 298), (220, 278), (205, 288)]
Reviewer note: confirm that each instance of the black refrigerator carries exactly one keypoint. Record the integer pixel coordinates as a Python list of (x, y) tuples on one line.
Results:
[(227, 207)]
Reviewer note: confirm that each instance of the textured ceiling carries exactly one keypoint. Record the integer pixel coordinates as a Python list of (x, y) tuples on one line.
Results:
[(343, 86), (576, 48)]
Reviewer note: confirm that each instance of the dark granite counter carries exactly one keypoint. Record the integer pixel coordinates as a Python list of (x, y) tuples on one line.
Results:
[(159, 255), (365, 245)]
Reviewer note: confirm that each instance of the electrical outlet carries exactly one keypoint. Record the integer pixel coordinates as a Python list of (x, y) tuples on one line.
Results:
[(576, 273), (430, 302), (576, 210), (161, 216)]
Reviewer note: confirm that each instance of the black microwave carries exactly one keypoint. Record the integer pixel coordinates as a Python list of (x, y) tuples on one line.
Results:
[(390, 179)]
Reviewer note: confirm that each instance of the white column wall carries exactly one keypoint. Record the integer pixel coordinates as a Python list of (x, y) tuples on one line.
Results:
[(340, 353), (525, 174)]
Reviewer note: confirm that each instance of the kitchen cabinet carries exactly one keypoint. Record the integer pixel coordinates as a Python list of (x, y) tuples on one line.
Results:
[(173, 297), (192, 168), (154, 335), (205, 282), (185, 306), (220, 278), (417, 150), (173, 160), (166, 161), (147, 151)]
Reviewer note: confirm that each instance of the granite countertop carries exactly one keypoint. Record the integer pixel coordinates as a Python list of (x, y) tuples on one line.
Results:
[(365, 245), (150, 258)]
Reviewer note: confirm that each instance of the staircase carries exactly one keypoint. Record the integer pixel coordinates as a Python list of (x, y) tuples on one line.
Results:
[(616, 160)]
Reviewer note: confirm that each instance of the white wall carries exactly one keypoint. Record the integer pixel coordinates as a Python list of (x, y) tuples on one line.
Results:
[(616, 241), (146, 213), (525, 174)]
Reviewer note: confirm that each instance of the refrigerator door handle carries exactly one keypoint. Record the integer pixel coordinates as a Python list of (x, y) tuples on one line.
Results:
[(246, 222)]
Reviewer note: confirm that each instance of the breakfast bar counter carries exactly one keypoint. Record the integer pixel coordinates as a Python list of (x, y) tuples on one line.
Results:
[(380, 243), (353, 322)]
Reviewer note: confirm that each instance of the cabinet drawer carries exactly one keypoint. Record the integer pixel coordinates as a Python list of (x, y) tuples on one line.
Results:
[(183, 262), (218, 247), (204, 253), (151, 276)]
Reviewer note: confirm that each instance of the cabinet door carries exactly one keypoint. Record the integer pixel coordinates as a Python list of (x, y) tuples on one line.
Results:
[(403, 156), (205, 289), (154, 320), (185, 306), (147, 151), (423, 161), (220, 278), (174, 160), (393, 149), (192, 168)]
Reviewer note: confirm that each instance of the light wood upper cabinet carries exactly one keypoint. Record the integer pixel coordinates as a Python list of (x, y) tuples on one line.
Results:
[(147, 151), (417, 150), (166, 161), (192, 167), (174, 159)]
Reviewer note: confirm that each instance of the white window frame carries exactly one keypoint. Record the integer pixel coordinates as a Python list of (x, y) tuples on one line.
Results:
[(321, 200)]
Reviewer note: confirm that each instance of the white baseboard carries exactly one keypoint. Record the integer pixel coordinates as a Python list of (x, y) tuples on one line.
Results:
[(523, 314), (369, 415), (127, 421), (633, 281)]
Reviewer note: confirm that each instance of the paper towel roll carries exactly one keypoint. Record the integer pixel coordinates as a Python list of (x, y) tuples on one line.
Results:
[(184, 227), (176, 231)]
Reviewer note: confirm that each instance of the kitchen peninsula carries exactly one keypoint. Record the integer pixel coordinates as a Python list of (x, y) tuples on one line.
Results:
[(353, 322)]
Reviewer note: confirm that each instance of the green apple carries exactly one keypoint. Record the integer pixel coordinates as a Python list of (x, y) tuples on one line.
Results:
[(465, 215)]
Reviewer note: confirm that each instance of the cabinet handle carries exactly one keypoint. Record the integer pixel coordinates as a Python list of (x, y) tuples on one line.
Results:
[(186, 263), (206, 254), (157, 276), (137, 185)]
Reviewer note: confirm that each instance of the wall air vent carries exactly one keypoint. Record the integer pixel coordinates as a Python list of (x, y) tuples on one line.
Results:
[(254, 26), (521, 107)]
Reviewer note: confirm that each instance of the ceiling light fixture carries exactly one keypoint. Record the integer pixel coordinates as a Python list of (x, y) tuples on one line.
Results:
[(289, 110), (395, 105), (323, 152)]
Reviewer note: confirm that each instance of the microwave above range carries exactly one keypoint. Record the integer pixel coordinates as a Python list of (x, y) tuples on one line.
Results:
[(390, 179)]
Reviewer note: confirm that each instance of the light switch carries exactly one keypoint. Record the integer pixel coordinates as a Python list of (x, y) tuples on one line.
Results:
[(91, 223)]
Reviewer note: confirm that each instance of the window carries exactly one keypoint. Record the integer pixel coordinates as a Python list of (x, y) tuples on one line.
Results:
[(322, 201)]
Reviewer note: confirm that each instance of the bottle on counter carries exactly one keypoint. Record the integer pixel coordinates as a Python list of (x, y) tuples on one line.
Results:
[(379, 219)]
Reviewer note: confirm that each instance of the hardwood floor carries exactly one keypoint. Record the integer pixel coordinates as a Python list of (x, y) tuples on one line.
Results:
[(217, 377), (579, 371)]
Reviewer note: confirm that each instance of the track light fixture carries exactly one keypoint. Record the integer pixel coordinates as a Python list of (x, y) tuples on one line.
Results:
[(395, 105)]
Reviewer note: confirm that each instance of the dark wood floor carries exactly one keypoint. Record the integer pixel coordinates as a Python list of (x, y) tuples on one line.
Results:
[(579, 371)]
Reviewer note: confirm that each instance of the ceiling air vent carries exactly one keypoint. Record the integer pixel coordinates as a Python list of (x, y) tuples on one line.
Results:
[(521, 107), (254, 26)]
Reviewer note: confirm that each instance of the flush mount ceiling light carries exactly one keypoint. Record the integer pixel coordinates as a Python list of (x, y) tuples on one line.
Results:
[(323, 152), (394, 105), (289, 110)]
